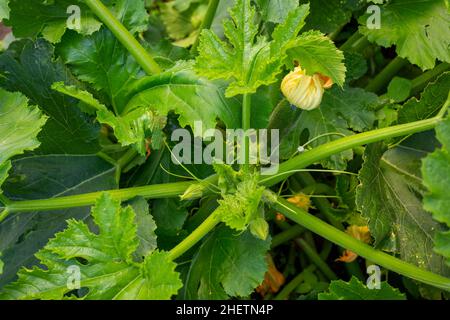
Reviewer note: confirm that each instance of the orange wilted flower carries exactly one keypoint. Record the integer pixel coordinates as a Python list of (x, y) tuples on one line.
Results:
[(304, 91), (360, 233), (301, 201), (273, 279)]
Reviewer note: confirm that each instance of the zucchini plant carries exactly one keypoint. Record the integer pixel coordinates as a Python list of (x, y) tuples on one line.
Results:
[(117, 182)]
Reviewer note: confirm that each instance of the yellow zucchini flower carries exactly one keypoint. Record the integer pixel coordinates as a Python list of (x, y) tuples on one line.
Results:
[(303, 91), (360, 233)]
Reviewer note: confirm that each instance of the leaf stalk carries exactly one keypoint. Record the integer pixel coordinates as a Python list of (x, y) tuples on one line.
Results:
[(207, 22), (209, 224), (143, 58), (382, 79)]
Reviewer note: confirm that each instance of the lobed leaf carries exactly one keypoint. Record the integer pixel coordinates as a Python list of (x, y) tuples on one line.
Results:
[(419, 29), (193, 98), (19, 125), (103, 62), (51, 19), (317, 54), (276, 10), (227, 264), (247, 60), (183, 20), (108, 272), (131, 129), (31, 68), (33, 177), (356, 290), (330, 15), (389, 196), (431, 101)]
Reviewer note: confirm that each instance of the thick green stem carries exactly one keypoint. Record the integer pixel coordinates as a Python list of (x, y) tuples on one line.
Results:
[(168, 190), (346, 241), (4, 199), (127, 158), (286, 235), (356, 43), (246, 112), (316, 259), (326, 150), (210, 223), (207, 22), (386, 75), (107, 158), (291, 286), (351, 41), (326, 250), (317, 189), (141, 55), (333, 35), (361, 44)]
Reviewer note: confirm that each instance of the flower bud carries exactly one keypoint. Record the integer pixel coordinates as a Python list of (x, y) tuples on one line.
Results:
[(303, 91), (195, 191), (301, 201), (259, 228)]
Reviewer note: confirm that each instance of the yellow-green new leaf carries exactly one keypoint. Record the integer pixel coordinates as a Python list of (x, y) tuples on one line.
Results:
[(19, 125), (249, 61), (316, 53)]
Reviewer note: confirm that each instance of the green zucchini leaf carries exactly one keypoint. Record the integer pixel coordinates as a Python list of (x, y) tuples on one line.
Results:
[(107, 270)]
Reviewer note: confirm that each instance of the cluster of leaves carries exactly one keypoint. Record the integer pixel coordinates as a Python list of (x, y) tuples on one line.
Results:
[(74, 103), (113, 264), (392, 187), (240, 206), (252, 63)]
